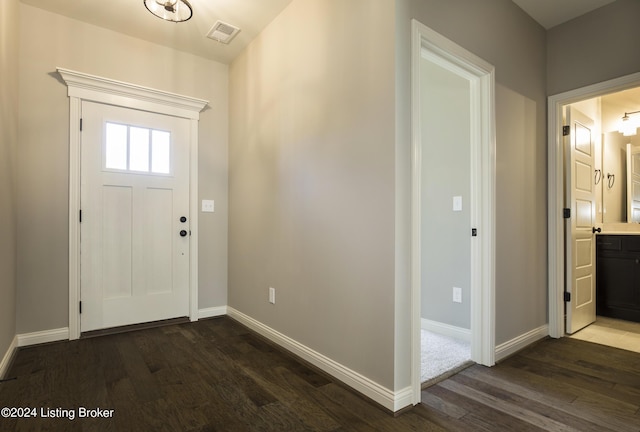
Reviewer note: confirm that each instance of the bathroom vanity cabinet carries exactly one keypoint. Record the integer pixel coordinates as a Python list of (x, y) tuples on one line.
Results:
[(618, 276)]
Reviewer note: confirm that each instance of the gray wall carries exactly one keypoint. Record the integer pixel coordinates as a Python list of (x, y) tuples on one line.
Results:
[(48, 40), (8, 143), (595, 47), (320, 167), (446, 255), (312, 181), (502, 34)]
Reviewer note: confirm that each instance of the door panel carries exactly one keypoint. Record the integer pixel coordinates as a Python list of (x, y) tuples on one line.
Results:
[(581, 197), (584, 216), (134, 189), (583, 177), (584, 291), (584, 257), (116, 234), (158, 235)]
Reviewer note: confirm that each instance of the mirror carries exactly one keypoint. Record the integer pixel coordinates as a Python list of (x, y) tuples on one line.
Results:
[(614, 176), (633, 183)]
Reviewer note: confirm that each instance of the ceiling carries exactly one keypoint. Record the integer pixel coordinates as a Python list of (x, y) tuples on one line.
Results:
[(550, 13), (132, 18)]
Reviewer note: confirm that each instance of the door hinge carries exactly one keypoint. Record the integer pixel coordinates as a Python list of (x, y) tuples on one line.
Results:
[(80, 307), (566, 130), (567, 296), (474, 232), (80, 125), (566, 213), (80, 215)]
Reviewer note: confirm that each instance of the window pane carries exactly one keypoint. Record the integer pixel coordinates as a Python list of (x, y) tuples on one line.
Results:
[(160, 152), (116, 146), (138, 149)]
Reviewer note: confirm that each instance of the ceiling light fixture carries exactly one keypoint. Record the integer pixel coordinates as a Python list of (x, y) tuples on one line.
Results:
[(170, 10), (628, 127)]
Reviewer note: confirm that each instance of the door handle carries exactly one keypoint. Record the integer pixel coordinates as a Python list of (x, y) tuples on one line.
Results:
[(183, 233), (595, 230)]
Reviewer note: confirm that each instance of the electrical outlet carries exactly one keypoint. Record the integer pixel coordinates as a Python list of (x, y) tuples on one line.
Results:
[(272, 295), (457, 295)]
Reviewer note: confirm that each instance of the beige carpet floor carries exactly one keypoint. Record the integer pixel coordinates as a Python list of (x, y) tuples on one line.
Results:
[(441, 354)]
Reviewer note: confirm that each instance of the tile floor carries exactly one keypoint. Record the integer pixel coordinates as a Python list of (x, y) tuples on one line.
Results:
[(612, 332)]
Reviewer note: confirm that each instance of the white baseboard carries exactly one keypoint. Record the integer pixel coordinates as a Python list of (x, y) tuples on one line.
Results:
[(393, 401), (212, 312), (446, 329), (27, 339), (45, 336), (516, 344), (402, 398), (8, 356)]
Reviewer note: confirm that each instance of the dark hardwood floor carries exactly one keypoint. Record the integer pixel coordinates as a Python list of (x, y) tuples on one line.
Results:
[(216, 375)]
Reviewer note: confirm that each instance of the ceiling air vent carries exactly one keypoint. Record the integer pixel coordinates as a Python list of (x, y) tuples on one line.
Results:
[(222, 32)]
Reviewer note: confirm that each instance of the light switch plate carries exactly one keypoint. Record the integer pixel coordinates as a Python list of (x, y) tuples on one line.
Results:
[(272, 295), (457, 295), (207, 206), (457, 203)]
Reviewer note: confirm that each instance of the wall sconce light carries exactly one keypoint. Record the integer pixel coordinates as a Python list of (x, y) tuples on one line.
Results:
[(627, 125), (170, 10)]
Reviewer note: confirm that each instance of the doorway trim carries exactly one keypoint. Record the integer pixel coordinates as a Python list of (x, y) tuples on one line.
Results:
[(555, 182), (481, 76), (85, 87)]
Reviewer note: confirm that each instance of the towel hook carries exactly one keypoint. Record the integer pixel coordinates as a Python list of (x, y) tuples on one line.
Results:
[(598, 176)]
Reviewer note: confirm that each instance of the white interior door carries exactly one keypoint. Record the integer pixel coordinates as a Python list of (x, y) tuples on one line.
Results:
[(580, 232), (633, 183), (135, 216)]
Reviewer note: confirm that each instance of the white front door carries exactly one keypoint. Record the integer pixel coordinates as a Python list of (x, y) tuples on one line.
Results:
[(135, 216), (580, 234)]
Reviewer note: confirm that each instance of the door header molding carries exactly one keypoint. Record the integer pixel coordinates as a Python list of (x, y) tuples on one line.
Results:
[(105, 90)]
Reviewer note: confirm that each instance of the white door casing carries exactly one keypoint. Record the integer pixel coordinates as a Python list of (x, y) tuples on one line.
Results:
[(633, 184), (580, 232), (482, 173), (134, 245), (556, 189), (84, 87)]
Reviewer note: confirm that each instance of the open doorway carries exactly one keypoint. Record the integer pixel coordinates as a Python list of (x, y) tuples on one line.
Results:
[(615, 190), (606, 103), (445, 200), (452, 204)]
